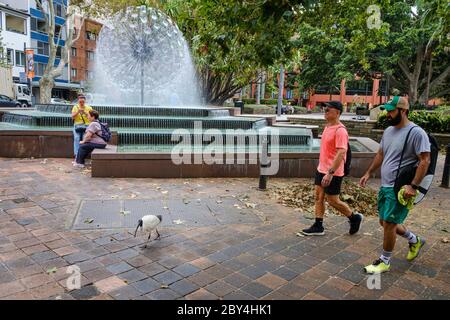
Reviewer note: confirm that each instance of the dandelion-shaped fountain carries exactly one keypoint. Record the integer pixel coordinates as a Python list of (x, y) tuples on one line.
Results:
[(142, 53)]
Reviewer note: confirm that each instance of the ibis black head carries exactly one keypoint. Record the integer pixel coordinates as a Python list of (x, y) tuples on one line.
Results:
[(140, 223), (159, 217)]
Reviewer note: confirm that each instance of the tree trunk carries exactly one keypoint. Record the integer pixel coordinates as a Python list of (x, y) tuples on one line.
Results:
[(263, 85), (46, 85), (280, 91), (258, 88), (425, 97)]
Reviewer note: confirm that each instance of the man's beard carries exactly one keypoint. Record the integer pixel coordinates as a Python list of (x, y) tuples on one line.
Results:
[(395, 121)]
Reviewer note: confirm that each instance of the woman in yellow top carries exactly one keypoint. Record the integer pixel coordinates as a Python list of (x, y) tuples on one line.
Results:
[(80, 121)]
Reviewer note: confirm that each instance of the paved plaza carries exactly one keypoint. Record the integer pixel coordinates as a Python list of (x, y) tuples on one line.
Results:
[(220, 239)]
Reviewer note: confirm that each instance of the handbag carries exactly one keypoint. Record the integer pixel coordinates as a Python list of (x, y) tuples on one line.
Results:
[(406, 174), (81, 128)]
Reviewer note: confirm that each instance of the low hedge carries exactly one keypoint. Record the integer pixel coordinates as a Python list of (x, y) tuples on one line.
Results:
[(258, 109), (300, 110), (434, 122), (263, 101)]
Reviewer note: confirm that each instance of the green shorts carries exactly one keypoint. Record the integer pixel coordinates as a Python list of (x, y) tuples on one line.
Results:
[(389, 209)]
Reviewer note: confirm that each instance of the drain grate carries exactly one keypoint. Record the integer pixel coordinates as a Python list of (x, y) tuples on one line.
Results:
[(111, 214)]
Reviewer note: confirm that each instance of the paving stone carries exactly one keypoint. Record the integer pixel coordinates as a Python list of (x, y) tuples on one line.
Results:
[(424, 270), (186, 270), (201, 294), (220, 288), (344, 258), (146, 286), (119, 267), (202, 278), (239, 295), (163, 294), (77, 257), (152, 269), (132, 276), (285, 273), (237, 279), (139, 261), (354, 273), (293, 291), (97, 274), (64, 251), (202, 263), (6, 276), (10, 288), (36, 280), (256, 289), (125, 293), (41, 257), (330, 292), (109, 284), (167, 277), (271, 281), (183, 287)]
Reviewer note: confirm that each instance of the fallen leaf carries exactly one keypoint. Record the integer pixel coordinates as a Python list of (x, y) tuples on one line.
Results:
[(88, 220), (185, 201), (445, 240), (219, 201), (123, 212), (250, 205), (52, 270), (164, 192), (444, 230), (299, 234), (132, 196), (164, 286), (114, 197), (167, 208), (178, 221)]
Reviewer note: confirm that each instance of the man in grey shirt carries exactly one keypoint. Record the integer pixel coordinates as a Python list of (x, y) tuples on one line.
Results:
[(417, 151)]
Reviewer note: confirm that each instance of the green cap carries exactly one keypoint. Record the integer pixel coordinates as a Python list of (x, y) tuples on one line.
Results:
[(396, 102)]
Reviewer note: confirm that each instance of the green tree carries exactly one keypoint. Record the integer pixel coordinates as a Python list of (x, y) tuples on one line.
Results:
[(404, 40)]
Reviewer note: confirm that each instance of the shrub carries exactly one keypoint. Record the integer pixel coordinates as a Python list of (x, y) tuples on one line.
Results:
[(433, 122), (300, 109), (261, 109), (249, 100)]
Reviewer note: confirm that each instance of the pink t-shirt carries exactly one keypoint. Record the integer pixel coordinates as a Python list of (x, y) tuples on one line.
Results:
[(333, 138)]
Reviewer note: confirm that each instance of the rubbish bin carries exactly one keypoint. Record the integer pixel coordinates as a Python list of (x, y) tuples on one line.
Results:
[(239, 104)]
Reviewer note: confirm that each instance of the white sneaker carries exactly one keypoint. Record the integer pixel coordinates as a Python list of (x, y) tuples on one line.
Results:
[(79, 165)]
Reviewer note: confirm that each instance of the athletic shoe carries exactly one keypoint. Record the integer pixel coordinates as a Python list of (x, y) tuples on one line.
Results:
[(378, 266), (79, 165), (414, 249), (355, 223), (314, 230)]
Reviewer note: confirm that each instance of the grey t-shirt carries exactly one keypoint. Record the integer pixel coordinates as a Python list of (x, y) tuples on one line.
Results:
[(392, 145), (96, 130)]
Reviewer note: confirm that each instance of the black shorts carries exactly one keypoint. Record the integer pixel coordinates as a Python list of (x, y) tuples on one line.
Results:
[(334, 188)]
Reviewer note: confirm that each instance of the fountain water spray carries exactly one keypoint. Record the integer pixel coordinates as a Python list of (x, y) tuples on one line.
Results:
[(143, 57)]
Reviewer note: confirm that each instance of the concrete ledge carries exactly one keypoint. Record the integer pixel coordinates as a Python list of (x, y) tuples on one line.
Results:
[(38, 143), (110, 163)]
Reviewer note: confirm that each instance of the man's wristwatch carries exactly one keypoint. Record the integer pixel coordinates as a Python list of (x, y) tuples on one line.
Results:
[(414, 186), (331, 171)]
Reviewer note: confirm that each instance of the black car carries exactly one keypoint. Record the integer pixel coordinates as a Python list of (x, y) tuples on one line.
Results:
[(7, 102)]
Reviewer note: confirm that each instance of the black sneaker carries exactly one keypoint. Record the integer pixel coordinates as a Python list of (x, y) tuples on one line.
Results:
[(355, 223), (314, 230)]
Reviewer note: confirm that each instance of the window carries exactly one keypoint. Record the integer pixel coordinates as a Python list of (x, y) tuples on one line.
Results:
[(38, 25), (89, 75), (42, 48), (74, 52), (39, 69), (10, 56), (73, 72), (90, 55), (58, 52), (20, 58), (58, 9), (15, 24), (90, 35)]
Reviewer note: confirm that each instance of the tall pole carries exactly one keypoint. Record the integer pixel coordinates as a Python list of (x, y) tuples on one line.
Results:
[(280, 91), (142, 83)]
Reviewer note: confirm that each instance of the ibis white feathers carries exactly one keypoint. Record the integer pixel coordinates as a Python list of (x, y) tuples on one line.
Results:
[(148, 223)]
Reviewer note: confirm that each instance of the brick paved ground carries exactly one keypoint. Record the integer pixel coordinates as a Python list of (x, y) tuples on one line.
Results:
[(262, 260)]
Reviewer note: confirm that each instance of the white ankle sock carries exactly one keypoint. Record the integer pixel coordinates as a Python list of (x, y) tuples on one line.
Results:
[(411, 237)]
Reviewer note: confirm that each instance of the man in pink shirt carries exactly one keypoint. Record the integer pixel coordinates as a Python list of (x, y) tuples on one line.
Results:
[(330, 172)]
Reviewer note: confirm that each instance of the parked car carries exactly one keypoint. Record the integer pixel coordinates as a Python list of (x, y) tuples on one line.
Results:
[(59, 101), (7, 102)]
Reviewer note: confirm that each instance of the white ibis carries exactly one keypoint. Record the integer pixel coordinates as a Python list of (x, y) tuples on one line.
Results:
[(147, 224)]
